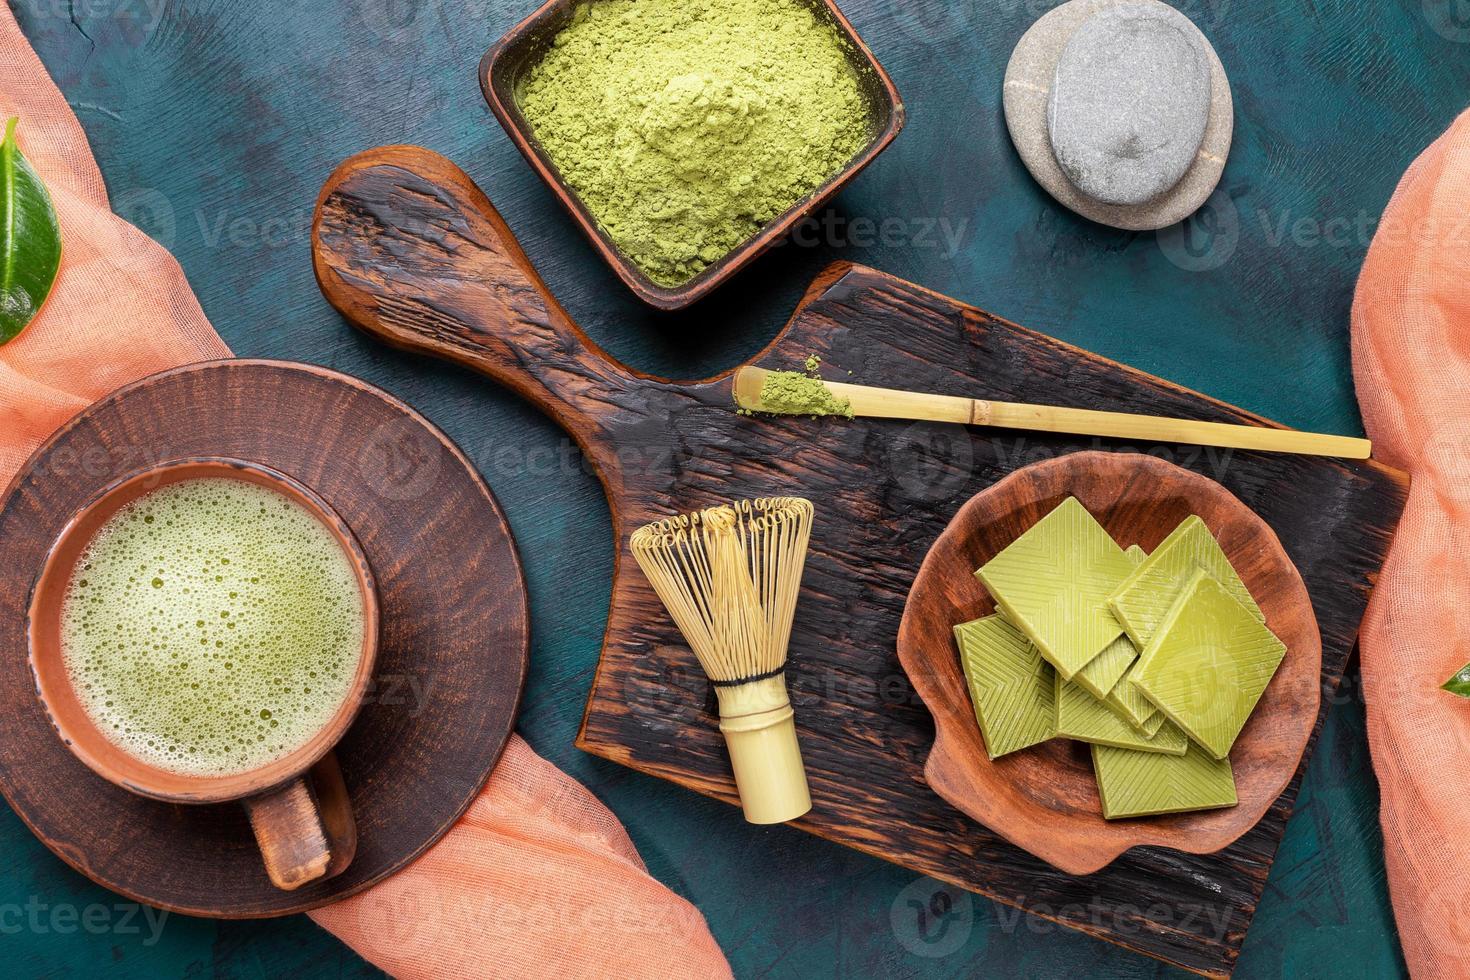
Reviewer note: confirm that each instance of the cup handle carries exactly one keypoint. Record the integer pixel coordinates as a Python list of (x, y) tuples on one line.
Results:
[(305, 828)]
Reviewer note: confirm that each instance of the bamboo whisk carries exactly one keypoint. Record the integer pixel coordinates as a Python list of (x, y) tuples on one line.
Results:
[(729, 577)]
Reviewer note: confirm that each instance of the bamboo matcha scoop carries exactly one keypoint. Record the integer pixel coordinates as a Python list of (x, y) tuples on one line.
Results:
[(887, 403)]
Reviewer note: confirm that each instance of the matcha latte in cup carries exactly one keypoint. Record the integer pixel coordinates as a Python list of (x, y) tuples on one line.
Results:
[(204, 631)]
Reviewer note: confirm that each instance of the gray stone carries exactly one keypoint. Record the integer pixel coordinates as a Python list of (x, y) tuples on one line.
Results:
[(1028, 81), (1129, 103)]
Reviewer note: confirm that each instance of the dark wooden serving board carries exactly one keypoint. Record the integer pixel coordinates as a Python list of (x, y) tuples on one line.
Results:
[(410, 250)]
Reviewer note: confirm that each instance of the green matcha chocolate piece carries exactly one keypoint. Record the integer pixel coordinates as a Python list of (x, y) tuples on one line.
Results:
[(1153, 723), (1144, 599), (1053, 583), (1010, 685), (1132, 705), (1208, 664), (1083, 717), (1141, 784), (1104, 671)]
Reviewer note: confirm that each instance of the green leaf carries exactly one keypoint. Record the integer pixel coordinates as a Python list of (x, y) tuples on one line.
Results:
[(1460, 683), (30, 239)]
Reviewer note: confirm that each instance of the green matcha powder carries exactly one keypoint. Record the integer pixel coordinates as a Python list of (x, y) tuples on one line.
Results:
[(793, 393), (687, 125)]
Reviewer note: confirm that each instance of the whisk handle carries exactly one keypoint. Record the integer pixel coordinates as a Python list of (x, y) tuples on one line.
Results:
[(760, 732)]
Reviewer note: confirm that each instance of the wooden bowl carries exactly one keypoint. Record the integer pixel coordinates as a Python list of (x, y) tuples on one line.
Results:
[(1044, 799), (506, 63)]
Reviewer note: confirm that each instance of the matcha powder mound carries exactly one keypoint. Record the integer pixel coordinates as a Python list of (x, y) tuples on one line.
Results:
[(793, 393), (686, 125)]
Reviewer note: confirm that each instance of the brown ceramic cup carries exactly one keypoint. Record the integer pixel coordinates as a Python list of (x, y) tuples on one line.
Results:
[(297, 804)]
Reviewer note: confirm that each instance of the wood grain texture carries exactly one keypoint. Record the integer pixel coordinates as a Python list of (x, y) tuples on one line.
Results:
[(453, 646), (292, 835), (334, 803), (1045, 800), (409, 250)]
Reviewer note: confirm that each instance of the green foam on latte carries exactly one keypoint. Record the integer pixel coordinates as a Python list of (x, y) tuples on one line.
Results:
[(212, 627)]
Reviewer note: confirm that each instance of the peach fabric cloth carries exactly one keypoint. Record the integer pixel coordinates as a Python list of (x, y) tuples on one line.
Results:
[(539, 878), (121, 308), (1411, 360)]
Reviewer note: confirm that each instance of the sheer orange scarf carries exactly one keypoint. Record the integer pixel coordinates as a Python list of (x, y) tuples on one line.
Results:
[(1411, 358)]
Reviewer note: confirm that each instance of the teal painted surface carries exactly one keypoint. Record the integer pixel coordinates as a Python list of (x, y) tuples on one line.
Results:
[(215, 123)]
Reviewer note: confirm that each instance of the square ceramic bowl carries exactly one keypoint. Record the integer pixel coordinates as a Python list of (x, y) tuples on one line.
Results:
[(506, 63)]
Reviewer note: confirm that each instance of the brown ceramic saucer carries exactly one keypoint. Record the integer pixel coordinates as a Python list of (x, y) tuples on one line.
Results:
[(453, 640), (1044, 799)]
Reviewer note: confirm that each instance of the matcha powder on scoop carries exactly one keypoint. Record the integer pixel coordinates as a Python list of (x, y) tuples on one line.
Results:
[(686, 125), (793, 393)]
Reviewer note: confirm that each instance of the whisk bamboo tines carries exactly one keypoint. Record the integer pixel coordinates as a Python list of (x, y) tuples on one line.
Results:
[(729, 576)]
